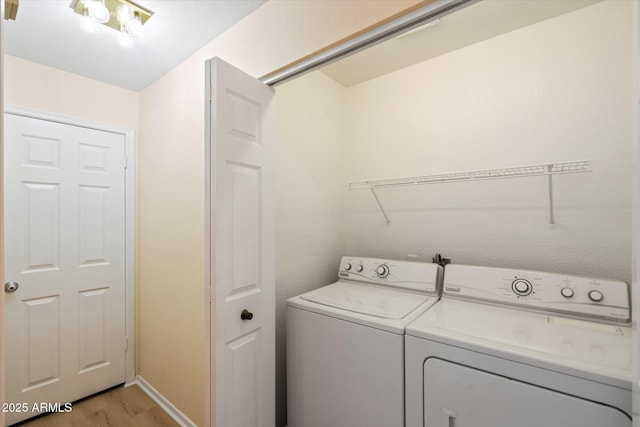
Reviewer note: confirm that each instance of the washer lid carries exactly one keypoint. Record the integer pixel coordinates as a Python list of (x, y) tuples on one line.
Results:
[(367, 299)]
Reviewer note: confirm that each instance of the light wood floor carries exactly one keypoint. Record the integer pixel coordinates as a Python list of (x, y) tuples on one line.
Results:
[(121, 407)]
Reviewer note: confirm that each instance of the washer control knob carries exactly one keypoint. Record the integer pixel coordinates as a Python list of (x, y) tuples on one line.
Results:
[(382, 271), (347, 267), (359, 268), (566, 292), (595, 296), (521, 287)]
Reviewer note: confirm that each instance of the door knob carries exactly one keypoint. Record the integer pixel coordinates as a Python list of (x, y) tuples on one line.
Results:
[(11, 287), (246, 315)]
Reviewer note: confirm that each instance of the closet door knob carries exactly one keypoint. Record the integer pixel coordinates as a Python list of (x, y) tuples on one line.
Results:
[(11, 287), (246, 315)]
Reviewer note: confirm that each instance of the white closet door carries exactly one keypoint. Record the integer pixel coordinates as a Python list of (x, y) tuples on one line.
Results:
[(65, 248), (242, 247)]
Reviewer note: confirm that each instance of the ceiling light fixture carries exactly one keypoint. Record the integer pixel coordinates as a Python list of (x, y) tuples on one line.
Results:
[(124, 16)]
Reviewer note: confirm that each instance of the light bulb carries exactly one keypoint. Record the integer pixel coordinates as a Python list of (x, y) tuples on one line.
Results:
[(134, 26), (124, 13), (124, 39), (99, 12), (87, 24)]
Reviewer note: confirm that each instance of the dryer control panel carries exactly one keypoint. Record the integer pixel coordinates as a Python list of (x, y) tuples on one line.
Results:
[(415, 276), (559, 293)]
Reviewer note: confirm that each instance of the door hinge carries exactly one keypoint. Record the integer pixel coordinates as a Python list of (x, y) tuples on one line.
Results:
[(126, 344), (126, 162)]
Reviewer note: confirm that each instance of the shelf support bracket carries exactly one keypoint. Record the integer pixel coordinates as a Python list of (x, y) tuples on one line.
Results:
[(552, 221), (375, 196)]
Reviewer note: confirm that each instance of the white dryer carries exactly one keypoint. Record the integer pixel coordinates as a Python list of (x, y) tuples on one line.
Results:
[(506, 348), (345, 343)]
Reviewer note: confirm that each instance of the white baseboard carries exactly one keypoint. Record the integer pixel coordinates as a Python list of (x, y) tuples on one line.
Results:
[(173, 412)]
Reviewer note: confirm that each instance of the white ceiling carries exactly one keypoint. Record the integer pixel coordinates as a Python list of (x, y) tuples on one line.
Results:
[(47, 32), (480, 21)]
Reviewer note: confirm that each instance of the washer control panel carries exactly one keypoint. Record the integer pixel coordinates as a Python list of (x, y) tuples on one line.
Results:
[(415, 276), (574, 295)]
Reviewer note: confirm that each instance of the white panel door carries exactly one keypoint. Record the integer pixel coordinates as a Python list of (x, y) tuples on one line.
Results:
[(65, 239), (242, 247)]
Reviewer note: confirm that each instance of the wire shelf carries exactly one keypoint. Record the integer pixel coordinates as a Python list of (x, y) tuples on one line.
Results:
[(520, 171), (549, 169)]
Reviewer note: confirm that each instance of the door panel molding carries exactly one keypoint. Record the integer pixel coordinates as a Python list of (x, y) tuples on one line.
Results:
[(130, 173)]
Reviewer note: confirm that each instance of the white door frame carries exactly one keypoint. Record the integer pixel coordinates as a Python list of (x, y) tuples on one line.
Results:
[(2, 375), (635, 240), (130, 174)]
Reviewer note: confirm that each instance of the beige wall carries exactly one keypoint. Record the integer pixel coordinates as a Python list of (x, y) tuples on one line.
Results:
[(28, 84), (171, 353), (551, 92), (309, 188)]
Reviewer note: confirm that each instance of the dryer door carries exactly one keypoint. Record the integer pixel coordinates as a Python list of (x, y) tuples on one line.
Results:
[(459, 396)]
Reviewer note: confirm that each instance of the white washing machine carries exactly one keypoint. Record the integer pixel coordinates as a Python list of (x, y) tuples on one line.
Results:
[(506, 348), (345, 343)]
